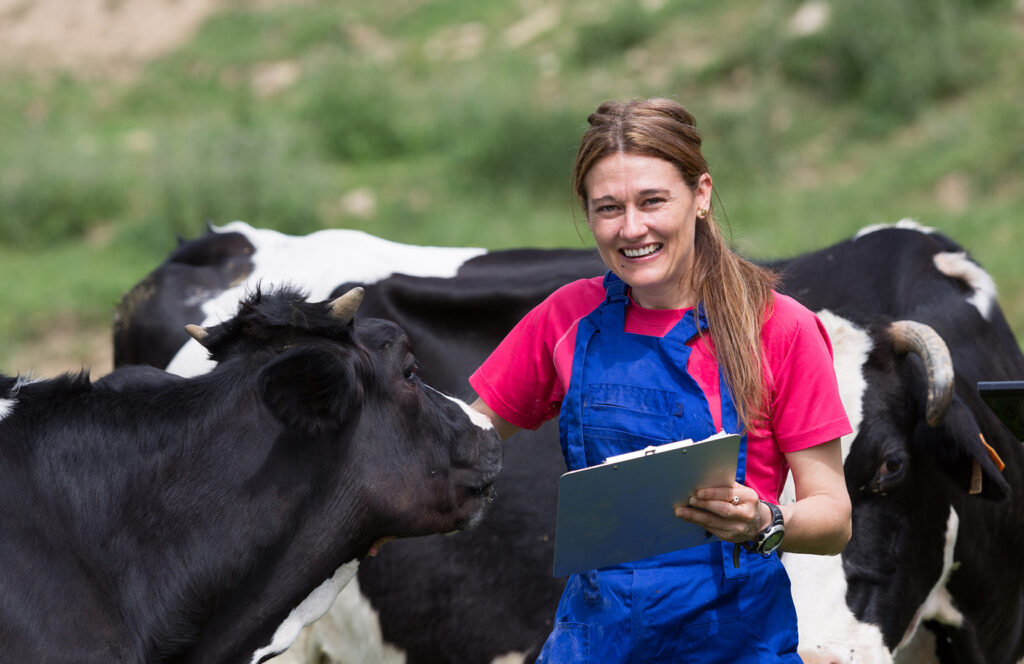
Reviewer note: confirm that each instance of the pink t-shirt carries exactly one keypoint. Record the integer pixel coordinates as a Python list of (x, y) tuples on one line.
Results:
[(526, 377)]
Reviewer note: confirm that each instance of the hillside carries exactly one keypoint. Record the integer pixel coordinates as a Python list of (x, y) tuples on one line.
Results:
[(129, 123)]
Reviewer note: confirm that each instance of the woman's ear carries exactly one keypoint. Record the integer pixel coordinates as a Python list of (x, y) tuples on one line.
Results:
[(703, 193)]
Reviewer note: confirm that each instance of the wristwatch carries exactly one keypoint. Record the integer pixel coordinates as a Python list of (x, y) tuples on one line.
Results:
[(770, 538)]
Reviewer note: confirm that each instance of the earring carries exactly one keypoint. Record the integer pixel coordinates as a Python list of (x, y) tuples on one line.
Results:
[(702, 212)]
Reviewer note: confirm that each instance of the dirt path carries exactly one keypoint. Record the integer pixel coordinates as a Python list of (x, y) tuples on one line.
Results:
[(100, 37), (65, 348)]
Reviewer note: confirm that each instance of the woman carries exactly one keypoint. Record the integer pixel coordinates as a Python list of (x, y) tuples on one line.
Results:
[(679, 314)]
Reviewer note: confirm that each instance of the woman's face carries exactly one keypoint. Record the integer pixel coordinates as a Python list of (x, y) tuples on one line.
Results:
[(643, 216)]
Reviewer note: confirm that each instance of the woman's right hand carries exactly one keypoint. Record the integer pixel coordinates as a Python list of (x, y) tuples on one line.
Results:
[(731, 513)]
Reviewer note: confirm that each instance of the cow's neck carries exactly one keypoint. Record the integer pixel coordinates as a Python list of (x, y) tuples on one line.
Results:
[(225, 538)]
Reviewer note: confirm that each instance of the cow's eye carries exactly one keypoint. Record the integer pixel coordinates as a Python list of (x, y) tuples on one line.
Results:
[(890, 473), (410, 370)]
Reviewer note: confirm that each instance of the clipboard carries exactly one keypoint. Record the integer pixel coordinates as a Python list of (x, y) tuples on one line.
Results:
[(622, 509), (1006, 399)]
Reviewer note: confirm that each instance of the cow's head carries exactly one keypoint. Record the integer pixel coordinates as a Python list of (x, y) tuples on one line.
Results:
[(394, 456), (917, 453)]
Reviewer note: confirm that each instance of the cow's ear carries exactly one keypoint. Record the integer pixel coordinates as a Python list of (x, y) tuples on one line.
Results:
[(959, 447), (309, 389)]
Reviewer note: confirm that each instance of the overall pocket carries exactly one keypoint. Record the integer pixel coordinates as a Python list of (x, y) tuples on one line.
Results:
[(636, 416)]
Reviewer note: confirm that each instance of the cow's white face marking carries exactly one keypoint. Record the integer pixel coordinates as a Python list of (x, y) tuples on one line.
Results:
[(828, 629), (475, 416), (311, 609), (905, 224), (317, 263), (958, 266)]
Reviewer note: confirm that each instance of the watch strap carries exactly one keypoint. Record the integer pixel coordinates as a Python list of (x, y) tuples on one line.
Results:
[(769, 539)]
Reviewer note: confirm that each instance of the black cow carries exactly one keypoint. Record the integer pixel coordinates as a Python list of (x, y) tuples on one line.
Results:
[(147, 517), (923, 545)]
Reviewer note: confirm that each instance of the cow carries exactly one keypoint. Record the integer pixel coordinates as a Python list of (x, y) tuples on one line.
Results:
[(914, 323), (148, 517)]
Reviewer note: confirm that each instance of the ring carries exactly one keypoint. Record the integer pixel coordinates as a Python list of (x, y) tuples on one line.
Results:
[(735, 500)]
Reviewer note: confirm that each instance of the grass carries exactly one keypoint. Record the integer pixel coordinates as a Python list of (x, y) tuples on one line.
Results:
[(455, 123)]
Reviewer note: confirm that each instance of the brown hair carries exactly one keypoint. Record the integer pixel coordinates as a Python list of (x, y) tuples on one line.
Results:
[(737, 295)]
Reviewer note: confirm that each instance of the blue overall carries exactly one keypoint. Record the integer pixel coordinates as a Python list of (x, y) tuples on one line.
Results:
[(715, 602)]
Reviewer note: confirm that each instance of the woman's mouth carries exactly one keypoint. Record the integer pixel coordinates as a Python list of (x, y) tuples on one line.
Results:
[(640, 252)]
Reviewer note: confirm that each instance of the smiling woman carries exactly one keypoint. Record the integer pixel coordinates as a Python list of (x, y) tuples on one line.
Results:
[(657, 141), (682, 321), (642, 214)]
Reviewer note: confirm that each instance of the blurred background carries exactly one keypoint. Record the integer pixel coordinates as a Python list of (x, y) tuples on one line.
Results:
[(125, 124)]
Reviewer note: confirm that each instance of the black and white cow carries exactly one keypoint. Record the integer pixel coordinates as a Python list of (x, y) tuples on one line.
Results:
[(147, 517), (929, 574)]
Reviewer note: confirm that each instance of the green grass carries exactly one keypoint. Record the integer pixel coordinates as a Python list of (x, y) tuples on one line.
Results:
[(459, 120)]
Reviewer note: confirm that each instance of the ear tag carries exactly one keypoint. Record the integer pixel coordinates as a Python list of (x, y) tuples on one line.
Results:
[(975, 478), (992, 453)]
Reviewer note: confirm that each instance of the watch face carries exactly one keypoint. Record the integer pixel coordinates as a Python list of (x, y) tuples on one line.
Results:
[(772, 540)]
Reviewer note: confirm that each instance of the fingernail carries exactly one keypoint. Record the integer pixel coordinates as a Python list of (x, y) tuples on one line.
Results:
[(693, 500)]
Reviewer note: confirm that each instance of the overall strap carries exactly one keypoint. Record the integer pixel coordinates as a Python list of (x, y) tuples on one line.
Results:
[(613, 308)]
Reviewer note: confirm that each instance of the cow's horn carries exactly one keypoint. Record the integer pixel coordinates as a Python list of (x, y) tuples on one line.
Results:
[(197, 332), (344, 307), (912, 337)]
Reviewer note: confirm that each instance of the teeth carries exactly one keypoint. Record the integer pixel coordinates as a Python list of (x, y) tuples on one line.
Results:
[(643, 251)]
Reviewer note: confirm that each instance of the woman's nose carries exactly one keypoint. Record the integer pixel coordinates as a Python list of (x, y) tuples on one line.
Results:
[(633, 224)]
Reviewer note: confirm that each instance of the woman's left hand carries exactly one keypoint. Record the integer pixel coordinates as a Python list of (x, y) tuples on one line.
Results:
[(730, 513)]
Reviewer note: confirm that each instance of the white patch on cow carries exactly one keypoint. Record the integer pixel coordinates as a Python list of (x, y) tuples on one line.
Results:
[(957, 265), (6, 407), (311, 609), (938, 605), (8, 402), (829, 632), (850, 348), (350, 633), (905, 224), (317, 263), (475, 416)]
